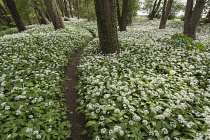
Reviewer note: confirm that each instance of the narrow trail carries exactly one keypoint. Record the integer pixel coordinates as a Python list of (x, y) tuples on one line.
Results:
[(77, 121)]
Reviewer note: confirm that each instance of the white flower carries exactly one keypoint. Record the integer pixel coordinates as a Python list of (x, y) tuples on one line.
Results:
[(117, 128), (1, 95), (29, 130), (111, 132), (7, 108), (49, 129), (31, 116), (172, 72), (36, 132), (97, 138), (167, 138), (8, 136), (165, 131), (38, 136), (103, 130), (2, 104), (121, 132), (145, 122)]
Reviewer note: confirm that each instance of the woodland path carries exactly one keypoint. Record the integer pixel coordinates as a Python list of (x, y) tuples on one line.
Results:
[(77, 121)]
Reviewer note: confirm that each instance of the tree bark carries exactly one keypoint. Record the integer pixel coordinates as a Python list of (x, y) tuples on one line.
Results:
[(54, 14), (65, 9), (59, 2), (118, 13), (154, 9), (78, 9), (70, 6), (88, 9), (192, 17), (40, 14), (107, 25), (3, 16), (124, 15), (165, 13), (15, 14)]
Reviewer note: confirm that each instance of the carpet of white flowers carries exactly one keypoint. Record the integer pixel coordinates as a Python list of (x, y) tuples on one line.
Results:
[(156, 88), (32, 104)]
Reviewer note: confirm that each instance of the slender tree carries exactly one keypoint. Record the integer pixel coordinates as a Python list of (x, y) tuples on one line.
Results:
[(4, 19), (54, 14), (107, 25), (122, 19), (70, 7), (60, 4), (165, 14), (39, 12), (192, 17), (15, 14), (78, 9), (66, 9), (154, 9)]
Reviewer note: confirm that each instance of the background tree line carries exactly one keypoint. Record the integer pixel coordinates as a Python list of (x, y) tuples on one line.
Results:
[(109, 15)]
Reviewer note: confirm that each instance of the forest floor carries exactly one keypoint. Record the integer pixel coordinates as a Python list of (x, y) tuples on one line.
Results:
[(76, 119)]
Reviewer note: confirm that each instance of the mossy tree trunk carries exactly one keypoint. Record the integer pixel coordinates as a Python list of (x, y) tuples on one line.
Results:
[(192, 17), (165, 14), (107, 25), (15, 14), (4, 19), (54, 14)]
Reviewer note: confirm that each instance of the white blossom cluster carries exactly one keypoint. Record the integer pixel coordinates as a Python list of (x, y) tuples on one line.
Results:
[(157, 87), (31, 75)]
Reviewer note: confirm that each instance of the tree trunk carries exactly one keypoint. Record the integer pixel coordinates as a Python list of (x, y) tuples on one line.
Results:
[(70, 6), (118, 13), (207, 20), (15, 14), (192, 17), (40, 14), (154, 9), (59, 2), (88, 9), (165, 13), (66, 9), (124, 15), (4, 18), (107, 25), (78, 9), (54, 14), (151, 15)]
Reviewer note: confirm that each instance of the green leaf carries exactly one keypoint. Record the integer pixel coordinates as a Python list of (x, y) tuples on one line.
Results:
[(14, 135), (190, 130), (90, 123), (6, 130), (175, 133), (84, 132), (111, 108)]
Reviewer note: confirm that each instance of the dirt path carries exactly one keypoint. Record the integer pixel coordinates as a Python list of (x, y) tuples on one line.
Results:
[(76, 119)]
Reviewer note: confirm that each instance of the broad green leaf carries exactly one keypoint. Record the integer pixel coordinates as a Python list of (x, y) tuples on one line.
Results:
[(90, 123)]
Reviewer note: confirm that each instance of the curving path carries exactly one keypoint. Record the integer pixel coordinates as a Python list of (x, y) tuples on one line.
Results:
[(77, 121)]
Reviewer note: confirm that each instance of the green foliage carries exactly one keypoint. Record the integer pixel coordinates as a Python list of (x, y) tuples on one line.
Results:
[(157, 87), (32, 104), (189, 43)]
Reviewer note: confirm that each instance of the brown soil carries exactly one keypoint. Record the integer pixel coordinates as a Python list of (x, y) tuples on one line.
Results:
[(77, 121)]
